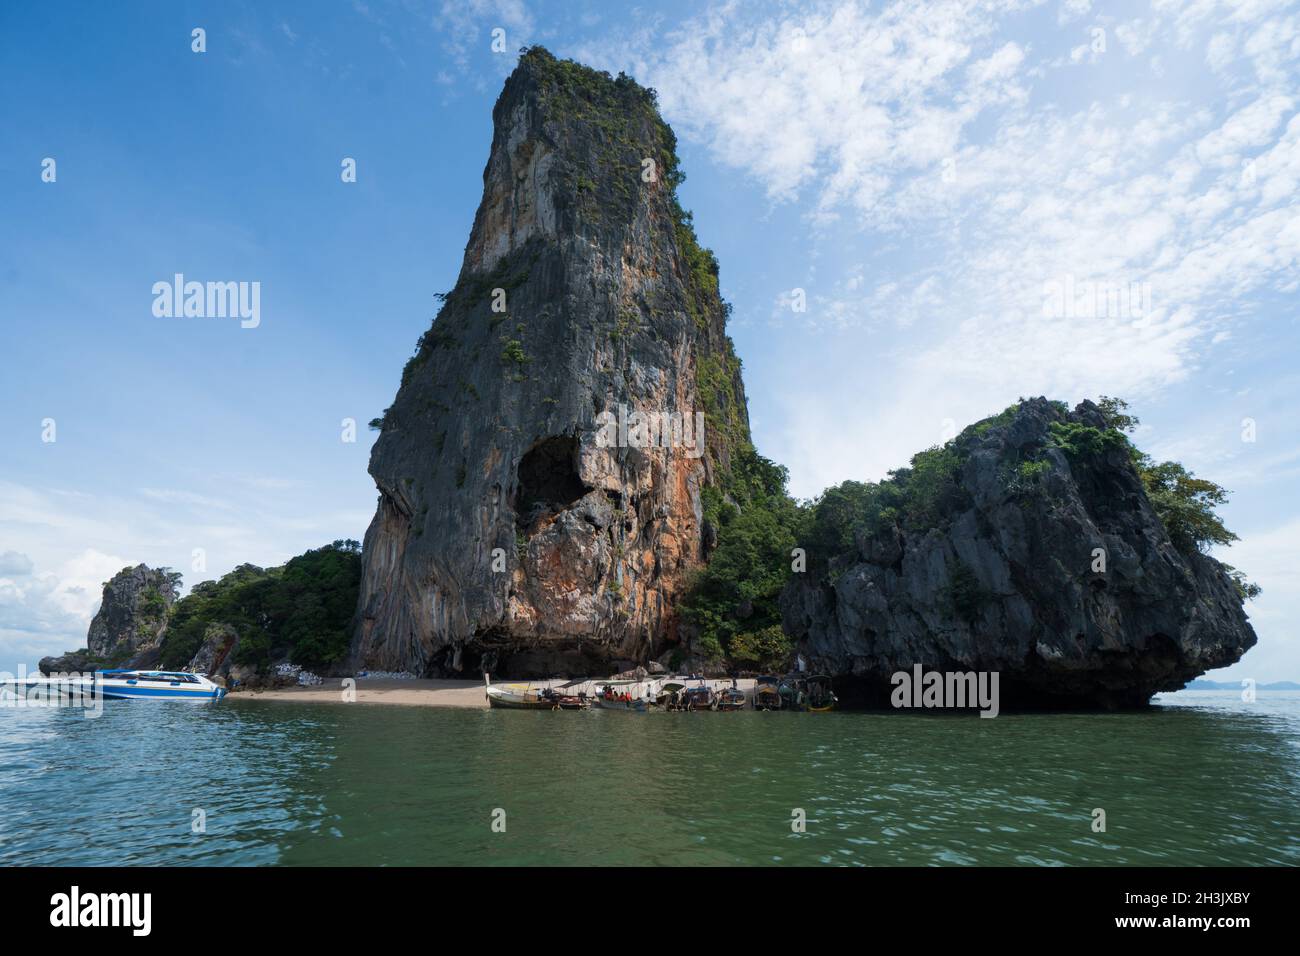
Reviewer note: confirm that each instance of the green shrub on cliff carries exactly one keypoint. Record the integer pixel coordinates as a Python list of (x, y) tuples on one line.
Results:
[(836, 516), (929, 492), (915, 498), (767, 649), (930, 489), (1184, 502), (1083, 443), (967, 595), (736, 593), (1248, 590), (301, 610)]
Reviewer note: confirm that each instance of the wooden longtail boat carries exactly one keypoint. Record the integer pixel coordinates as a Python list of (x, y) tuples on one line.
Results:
[(766, 694), (672, 696), (820, 696), (609, 698), (526, 697), (699, 698), (517, 697), (810, 693), (729, 700)]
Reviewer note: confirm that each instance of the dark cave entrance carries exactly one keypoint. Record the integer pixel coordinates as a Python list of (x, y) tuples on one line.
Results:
[(548, 479)]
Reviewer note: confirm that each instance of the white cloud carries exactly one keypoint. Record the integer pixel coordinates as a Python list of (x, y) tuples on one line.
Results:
[(1250, 127), (72, 542), (463, 24), (1271, 558), (838, 97), (179, 496), (1072, 10), (1220, 52), (13, 564), (943, 136), (49, 613), (1136, 36)]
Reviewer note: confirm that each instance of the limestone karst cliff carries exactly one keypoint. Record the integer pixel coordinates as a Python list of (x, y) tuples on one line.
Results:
[(242, 625), (525, 525), (524, 522), (130, 624), (1027, 546), (132, 614)]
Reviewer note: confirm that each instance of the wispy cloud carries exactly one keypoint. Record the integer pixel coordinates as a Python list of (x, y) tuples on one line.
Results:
[(73, 542), (465, 24), (1272, 559), (47, 613), (944, 135)]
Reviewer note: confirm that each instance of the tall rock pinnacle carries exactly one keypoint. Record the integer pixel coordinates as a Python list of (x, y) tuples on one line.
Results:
[(540, 470)]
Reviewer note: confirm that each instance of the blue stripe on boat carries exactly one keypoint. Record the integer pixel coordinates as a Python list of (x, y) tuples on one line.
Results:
[(129, 692)]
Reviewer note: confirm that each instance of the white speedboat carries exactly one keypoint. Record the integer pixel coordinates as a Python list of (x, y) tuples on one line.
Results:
[(125, 685)]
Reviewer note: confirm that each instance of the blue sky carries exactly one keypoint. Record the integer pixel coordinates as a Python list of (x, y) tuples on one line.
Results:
[(923, 174)]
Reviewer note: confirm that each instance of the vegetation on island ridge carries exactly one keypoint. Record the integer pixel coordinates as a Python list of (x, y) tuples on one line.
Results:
[(734, 599), (300, 611)]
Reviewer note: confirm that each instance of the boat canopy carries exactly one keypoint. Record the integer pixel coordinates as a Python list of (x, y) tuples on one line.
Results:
[(183, 677)]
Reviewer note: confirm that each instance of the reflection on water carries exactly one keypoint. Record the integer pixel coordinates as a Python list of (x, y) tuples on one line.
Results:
[(1203, 779)]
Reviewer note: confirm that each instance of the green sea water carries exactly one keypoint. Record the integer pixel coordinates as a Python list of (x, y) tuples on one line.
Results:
[(1202, 779)]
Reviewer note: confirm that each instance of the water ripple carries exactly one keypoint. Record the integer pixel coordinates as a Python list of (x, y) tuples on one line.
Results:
[(1201, 780)]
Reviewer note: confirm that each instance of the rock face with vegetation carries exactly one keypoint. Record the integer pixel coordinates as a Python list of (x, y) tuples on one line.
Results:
[(133, 612), (253, 618), (517, 529), (129, 626), (1039, 544), (239, 626), (217, 655)]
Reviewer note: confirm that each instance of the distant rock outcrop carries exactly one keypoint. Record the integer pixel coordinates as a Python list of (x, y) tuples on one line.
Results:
[(524, 523), (129, 626), (73, 662), (1049, 567), (132, 615)]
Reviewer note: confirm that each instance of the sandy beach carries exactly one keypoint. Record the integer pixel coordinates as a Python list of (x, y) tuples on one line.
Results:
[(420, 693), (443, 693)]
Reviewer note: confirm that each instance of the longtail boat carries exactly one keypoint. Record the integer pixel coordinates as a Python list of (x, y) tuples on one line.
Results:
[(820, 696), (610, 697), (766, 694), (699, 698), (730, 699), (526, 697), (811, 693)]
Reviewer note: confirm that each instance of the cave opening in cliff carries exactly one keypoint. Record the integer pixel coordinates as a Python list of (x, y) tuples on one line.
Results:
[(548, 479)]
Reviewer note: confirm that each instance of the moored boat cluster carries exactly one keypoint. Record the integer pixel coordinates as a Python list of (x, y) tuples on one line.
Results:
[(792, 692)]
